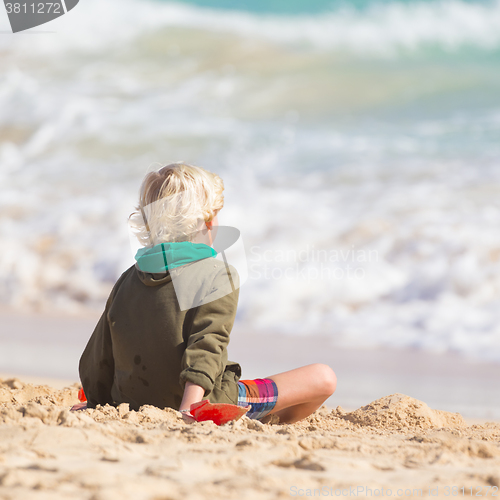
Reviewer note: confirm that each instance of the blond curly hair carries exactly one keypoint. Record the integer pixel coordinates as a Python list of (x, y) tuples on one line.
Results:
[(174, 202)]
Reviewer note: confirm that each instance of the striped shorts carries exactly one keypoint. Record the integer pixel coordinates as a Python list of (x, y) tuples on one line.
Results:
[(261, 394)]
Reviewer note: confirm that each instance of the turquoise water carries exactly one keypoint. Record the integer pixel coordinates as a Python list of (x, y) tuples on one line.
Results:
[(266, 6), (294, 7)]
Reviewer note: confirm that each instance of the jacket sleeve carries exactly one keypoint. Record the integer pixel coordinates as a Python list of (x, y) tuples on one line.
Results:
[(206, 355)]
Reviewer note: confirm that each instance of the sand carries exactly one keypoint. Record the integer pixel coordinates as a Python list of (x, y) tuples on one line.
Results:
[(395, 443)]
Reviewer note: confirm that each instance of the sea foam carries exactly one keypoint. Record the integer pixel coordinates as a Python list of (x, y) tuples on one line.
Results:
[(366, 194)]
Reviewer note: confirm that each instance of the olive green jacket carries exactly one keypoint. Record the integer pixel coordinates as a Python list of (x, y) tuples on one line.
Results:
[(144, 347)]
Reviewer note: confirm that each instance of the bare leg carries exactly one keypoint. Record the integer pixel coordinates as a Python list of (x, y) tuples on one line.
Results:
[(302, 391)]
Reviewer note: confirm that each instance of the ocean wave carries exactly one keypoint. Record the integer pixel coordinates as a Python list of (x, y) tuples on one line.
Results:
[(413, 176), (381, 29)]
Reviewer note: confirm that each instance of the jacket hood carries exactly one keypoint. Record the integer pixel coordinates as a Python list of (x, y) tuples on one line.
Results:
[(163, 257)]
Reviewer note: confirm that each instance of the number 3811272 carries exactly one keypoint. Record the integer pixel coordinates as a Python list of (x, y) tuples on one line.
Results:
[(34, 8)]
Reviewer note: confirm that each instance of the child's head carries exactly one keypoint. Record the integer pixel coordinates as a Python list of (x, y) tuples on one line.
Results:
[(175, 202)]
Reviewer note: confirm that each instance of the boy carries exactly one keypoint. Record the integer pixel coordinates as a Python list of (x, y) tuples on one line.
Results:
[(150, 348)]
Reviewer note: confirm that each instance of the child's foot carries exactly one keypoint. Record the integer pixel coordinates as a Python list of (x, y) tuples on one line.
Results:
[(79, 406)]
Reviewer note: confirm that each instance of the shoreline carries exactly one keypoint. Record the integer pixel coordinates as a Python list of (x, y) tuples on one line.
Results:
[(48, 346)]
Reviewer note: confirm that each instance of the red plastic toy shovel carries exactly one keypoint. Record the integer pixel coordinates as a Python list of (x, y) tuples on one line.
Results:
[(219, 413), (81, 395)]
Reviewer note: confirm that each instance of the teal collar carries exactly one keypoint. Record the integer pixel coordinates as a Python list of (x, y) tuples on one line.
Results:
[(164, 256)]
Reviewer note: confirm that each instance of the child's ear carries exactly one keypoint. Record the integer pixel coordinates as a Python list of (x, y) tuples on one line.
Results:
[(209, 224)]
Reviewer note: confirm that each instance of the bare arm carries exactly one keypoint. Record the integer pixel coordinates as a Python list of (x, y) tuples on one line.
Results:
[(192, 394)]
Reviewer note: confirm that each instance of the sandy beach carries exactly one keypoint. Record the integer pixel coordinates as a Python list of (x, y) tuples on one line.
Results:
[(369, 440), (395, 446)]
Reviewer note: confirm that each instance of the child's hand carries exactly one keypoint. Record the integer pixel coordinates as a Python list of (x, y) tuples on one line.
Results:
[(187, 417), (192, 394)]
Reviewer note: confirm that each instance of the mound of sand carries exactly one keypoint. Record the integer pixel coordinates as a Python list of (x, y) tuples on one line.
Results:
[(396, 412), (400, 412), (15, 391)]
